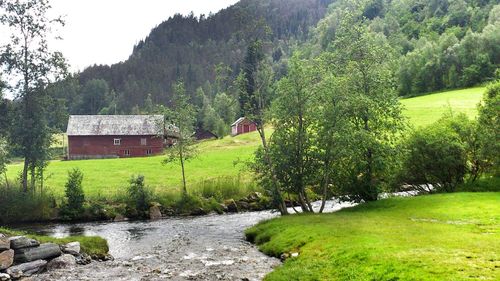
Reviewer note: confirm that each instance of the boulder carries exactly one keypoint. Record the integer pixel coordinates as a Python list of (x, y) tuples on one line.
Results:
[(44, 251), (63, 261), (231, 206), (243, 205), (4, 277), (198, 212), (6, 259), (223, 208), (83, 259), (20, 242), (154, 212), (119, 218), (72, 248), (254, 197), (26, 269), (4, 243)]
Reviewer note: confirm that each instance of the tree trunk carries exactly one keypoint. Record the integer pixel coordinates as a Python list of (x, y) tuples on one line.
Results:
[(32, 179), (303, 204), (281, 203), (181, 156), (41, 182), (6, 180), (308, 202), (25, 176)]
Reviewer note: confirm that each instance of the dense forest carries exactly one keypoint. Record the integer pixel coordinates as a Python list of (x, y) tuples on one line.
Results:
[(438, 44), (204, 51)]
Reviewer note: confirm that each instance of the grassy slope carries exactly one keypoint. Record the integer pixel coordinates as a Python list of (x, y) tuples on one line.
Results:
[(436, 237), (107, 177), (425, 110)]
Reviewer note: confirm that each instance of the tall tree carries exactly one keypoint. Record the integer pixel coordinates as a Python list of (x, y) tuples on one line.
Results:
[(293, 143), (255, 97), (32, 66), (181, 117), (362, 65)]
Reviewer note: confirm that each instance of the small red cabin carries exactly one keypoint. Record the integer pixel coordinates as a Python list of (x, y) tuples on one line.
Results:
[(242, 126), (112, 136)]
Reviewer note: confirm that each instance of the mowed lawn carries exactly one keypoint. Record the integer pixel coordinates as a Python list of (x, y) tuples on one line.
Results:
[(433, 237), (425, 110), (109, 177)]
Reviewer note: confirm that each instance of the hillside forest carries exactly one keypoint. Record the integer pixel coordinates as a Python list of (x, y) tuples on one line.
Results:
[(437, 44)]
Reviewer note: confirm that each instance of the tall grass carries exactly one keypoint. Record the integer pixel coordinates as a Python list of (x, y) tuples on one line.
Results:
[(224, 188), (18, 206)]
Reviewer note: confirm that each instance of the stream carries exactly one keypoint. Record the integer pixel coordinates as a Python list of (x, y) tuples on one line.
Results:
[(195, 248)]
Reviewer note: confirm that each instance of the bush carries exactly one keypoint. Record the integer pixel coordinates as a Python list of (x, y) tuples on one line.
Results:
[(489, 127), (74, 195), (435, 156), (188, 204), (139, 198)]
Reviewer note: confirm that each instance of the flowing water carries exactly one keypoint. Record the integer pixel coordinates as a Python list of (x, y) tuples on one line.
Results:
[(199, 248)]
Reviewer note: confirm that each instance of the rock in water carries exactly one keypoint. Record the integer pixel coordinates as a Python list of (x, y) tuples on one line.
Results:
[(119, 218), (63, 261), (231, 206), (83, 259), (72, 248), (26, 269), (243, 205), (4, 243), (4, 277), (154, 212), (44, 251), (20, 242), (6, 259)]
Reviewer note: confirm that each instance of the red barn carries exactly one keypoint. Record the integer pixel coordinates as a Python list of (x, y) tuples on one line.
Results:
[(242, 126), (112, 136)]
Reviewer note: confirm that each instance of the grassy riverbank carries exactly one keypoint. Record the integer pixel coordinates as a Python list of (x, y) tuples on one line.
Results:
[(434, 237), (94, 246)]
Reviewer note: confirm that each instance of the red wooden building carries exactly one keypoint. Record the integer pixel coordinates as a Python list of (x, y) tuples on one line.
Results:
[(242, 126), (112, 136)]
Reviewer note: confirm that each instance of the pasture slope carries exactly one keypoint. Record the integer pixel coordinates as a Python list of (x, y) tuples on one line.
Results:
[(424, 110), (219, 158), (433, 237)]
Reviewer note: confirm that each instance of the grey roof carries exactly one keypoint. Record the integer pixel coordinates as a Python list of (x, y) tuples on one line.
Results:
[(238, 121), (115, 125)]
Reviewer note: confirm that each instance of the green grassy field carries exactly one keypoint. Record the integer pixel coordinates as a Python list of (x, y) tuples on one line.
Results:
[(107, 178), (434, 237), (425, 110)]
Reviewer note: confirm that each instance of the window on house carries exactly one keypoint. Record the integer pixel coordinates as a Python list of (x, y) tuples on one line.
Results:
[(118, 141), (144, 141), (126, 152), (149, 152)]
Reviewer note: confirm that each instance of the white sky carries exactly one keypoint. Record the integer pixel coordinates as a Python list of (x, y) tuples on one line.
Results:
[(105, 31)]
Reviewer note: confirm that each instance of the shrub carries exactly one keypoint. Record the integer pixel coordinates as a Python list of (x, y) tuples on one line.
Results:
[(74, 195), (188, 203), (489, 126), (435, 156), (139, 198)]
